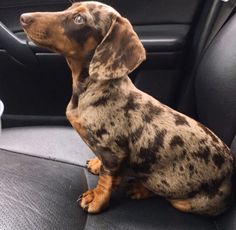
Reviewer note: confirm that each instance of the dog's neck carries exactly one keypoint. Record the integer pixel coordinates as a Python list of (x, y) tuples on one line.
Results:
[(82, 82), (80, 79), (80, 74)]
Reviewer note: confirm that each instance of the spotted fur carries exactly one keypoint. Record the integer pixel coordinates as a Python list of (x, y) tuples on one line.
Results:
[(169, 153)]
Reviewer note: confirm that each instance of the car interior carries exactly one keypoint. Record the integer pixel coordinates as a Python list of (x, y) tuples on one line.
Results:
[(43, 160)]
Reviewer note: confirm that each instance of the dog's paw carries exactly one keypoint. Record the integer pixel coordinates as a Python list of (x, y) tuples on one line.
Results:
[(136, 191), (94, 201), (94, 166)]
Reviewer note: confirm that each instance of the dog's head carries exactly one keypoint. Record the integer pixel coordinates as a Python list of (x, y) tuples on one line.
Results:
[(88, 32)]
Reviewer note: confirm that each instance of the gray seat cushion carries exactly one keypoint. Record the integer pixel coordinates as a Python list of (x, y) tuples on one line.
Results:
[(61, 144)]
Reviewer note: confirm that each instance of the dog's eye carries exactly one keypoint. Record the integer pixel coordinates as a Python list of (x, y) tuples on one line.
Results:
[(79, 19)]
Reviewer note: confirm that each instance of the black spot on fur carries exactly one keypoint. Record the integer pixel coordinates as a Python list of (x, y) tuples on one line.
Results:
[(180, 120), (112, 123), (164, 182), (81, 33), (173, 166), (181, 168), (208, 132), (149, 155), (218, 160), (91, 138), (116, 64), (81, 84), (105, 56), (106, 91), (135, 136), (141, 167), (203, 154), (189, 184), (100, 132), (96, 16), (158, 140), (183, 155), (209, 188), (131, 104), (176, 141), (202, 141), (148, 159), (191, 167), (191, 170), (151, 111), (109, 159), (123, 143), (101, 101)]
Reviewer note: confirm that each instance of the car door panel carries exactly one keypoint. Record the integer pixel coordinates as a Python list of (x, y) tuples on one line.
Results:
[(164, 27)]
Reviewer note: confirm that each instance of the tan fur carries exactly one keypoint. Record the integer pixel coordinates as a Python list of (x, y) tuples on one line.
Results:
[(98, 198), (94, 166), (182, 205)]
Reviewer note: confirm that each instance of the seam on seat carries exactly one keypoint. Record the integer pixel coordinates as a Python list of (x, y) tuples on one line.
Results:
[(45, 158), (59, 143)]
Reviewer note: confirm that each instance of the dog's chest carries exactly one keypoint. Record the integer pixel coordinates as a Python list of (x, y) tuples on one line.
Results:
[(95, 119), (77, 124)]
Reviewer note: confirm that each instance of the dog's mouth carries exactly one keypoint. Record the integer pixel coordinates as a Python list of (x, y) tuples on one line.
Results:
[(37, 35), (34, 32)]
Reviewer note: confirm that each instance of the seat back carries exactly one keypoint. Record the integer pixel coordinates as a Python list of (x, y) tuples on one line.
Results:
[(215, 85)]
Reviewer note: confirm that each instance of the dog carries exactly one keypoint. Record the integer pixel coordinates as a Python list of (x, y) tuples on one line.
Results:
[(130, 132)]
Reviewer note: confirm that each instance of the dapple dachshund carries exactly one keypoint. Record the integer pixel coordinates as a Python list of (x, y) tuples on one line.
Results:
[(130, 132)]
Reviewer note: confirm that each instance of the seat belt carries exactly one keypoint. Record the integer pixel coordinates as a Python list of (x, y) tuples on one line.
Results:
[(226, 9)]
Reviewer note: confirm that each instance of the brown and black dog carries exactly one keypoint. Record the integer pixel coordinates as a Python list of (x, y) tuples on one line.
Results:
[(169, 153)]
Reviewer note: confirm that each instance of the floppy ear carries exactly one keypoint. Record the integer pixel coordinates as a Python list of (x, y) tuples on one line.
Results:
[(119, 53)]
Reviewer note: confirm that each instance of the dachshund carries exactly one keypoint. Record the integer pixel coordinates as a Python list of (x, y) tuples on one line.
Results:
[(168, 153)]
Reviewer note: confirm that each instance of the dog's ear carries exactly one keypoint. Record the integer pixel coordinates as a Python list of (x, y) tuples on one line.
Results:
[(119, 53)]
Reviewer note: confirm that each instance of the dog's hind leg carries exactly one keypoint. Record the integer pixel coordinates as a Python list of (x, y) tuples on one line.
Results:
[(182, 205), (206, 203), (135, 190), (201, 204)]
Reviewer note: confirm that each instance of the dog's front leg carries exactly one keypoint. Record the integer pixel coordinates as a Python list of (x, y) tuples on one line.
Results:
[(94, 165), (97, 199)]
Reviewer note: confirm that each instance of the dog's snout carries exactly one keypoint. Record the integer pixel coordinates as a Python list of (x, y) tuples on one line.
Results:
[(26, 19)]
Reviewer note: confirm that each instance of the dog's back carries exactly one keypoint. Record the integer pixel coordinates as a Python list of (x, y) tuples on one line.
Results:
[(174, 155)]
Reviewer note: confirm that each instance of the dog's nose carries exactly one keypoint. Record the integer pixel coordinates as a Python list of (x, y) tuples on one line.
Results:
[(26, 19)]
